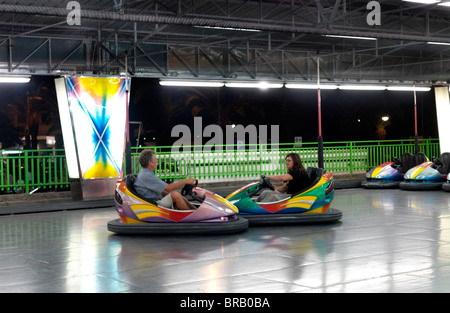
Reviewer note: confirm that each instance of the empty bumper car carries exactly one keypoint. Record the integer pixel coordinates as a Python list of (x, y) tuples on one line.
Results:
[(428, 175), (213, 214), (311, 205), (391, 174)]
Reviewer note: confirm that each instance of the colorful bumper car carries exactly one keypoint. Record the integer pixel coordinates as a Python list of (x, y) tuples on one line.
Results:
[(311, 205), (213, 214), (428, 175), (391, 174)]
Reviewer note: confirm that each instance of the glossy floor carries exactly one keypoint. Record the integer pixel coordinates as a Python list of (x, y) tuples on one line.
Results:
[(388, 241)]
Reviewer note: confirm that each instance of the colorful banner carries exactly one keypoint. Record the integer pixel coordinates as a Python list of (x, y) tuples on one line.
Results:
[(443, 112), (98, 112)]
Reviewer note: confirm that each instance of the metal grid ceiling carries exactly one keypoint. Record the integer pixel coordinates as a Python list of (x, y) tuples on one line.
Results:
[(210, 39)]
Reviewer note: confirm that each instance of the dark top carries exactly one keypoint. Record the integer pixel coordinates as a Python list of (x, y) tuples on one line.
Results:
[(300, 181)]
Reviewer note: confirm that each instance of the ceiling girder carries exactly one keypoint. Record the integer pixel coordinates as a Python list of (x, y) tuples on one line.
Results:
[(163, 39)]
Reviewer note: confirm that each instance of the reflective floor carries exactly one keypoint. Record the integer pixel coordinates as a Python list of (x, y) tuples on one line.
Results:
[(388, 241)]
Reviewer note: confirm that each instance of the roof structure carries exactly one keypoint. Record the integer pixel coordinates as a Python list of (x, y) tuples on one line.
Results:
[(276, 40)]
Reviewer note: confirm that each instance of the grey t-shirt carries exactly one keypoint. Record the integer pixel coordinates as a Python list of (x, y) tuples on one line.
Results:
[(148, 185)]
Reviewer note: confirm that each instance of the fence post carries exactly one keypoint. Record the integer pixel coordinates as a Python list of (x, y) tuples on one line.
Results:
[(427, 148), (26, 174), (351, 157)]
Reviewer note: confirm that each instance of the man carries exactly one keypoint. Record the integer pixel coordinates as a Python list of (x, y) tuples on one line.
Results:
[(150, 186)]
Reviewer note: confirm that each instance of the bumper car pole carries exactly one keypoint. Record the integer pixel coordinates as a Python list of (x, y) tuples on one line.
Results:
[(416, 136), (127, 144), (320, 139)]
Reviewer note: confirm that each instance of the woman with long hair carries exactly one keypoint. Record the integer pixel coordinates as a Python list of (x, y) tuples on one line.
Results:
[(295, 180)]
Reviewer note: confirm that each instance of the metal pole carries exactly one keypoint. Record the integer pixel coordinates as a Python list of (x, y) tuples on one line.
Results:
[(127, 145), (416, 136), (319, 104)]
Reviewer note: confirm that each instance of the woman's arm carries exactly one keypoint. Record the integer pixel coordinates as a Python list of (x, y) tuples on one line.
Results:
[(284, 177), (282, 188)]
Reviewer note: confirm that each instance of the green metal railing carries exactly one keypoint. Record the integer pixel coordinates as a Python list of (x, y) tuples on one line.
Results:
[(245, 162), (30, 170), (45, 170)]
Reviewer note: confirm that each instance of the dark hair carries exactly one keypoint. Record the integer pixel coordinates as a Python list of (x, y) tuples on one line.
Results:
[(145, 157), (297, 161)]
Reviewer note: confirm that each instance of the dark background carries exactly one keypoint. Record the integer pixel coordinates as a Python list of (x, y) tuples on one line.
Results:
[(346, 115)]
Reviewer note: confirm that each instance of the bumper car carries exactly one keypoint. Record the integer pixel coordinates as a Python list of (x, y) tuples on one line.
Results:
[(391, 174), (137, 215), (428, 175), (311, 205)]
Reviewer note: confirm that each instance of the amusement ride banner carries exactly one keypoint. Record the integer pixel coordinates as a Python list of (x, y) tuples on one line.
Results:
[(93, 118)]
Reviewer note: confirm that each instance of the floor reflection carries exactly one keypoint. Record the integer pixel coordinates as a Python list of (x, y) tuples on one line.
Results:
[(387, 241)]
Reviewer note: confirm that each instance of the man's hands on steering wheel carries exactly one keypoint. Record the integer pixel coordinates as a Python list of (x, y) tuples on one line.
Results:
[(188, 190)]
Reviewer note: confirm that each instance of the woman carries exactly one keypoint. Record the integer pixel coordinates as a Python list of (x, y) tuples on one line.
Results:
[(295, 180)]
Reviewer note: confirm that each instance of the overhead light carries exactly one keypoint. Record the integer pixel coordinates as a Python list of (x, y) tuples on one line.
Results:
[(362, 87), (230, 28), (351, 37), (6, 152), (423, 1), (261, 85), (445, 4), (192, 83), (438, 43), (15, 79), (408, 88), (309, 86)]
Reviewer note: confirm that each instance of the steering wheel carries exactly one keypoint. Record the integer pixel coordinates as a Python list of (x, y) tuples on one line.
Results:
[(437, 163), (187, 189), (397, 163), (266, 182)]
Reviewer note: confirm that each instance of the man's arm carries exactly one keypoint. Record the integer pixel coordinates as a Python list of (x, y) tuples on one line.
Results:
[(178, 185)]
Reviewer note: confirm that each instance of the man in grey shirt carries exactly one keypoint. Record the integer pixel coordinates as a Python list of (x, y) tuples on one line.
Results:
[(150, 186)]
